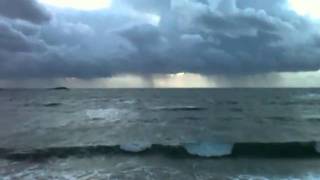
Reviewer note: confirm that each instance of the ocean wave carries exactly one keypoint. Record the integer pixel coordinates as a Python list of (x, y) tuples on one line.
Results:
[(205, 150), (279, 118), (179, 108), (135, 147), (35, 172), (228, 102), (209, 149), (52, 104), (110, 114), (132, 173), (305, 102), (308, 176), (70, 170), (249, 177), (310, 96), (317, 147), (129, 102), (60, 89), (138, 172), (37, 104), (236, 110)]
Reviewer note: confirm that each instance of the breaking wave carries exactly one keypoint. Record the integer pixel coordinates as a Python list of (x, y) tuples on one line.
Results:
[(205, 150), (52, 104), (135, 147), (110, 114), (308, 176), (310, 96), (209, 149), (317, 147)]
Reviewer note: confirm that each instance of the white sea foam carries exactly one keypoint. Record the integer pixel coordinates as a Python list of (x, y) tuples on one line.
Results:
[(309, 176), (111, 114), (142, 171), (249, 177), (310, 96), (129, 102), (209, 149), (65, 175), (135, 147), (317, 147)]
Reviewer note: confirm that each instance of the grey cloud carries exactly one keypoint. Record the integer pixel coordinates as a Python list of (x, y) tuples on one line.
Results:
[(12, 40), (68, 33), (147, 36), (227, 6), (238, 24), (15, 41), (269, 6), (25, 28), (28, 10), (244, 43), (228, 38), (155, 6)]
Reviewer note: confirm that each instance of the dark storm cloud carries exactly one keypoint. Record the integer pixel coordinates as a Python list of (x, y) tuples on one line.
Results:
[(225, 37), (147, 36), (12, 40), (15, 41), (28, 10)]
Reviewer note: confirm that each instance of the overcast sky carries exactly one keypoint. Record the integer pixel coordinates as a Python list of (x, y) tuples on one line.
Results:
[(154, 41)]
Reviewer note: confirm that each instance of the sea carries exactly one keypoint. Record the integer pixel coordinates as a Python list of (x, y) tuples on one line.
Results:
[(160, 134)]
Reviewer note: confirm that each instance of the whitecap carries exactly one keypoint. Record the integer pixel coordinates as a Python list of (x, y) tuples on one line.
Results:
[(309, 176), (317, 147), (129, 102), (209, 149), (310, 96), (250, 177), (111, 114), (135, 147)]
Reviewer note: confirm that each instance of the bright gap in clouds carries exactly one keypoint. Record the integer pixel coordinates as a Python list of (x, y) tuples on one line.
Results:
[(153, 19), (86, 5), (306, 7)]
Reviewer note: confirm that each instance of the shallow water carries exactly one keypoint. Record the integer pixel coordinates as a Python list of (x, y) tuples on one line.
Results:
[(162, 167), (198, 122)]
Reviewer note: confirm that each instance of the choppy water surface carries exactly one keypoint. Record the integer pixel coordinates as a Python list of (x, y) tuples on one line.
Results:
[(238, 133)]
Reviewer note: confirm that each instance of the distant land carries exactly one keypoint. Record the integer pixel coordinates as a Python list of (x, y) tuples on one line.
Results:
[(60, 88)]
